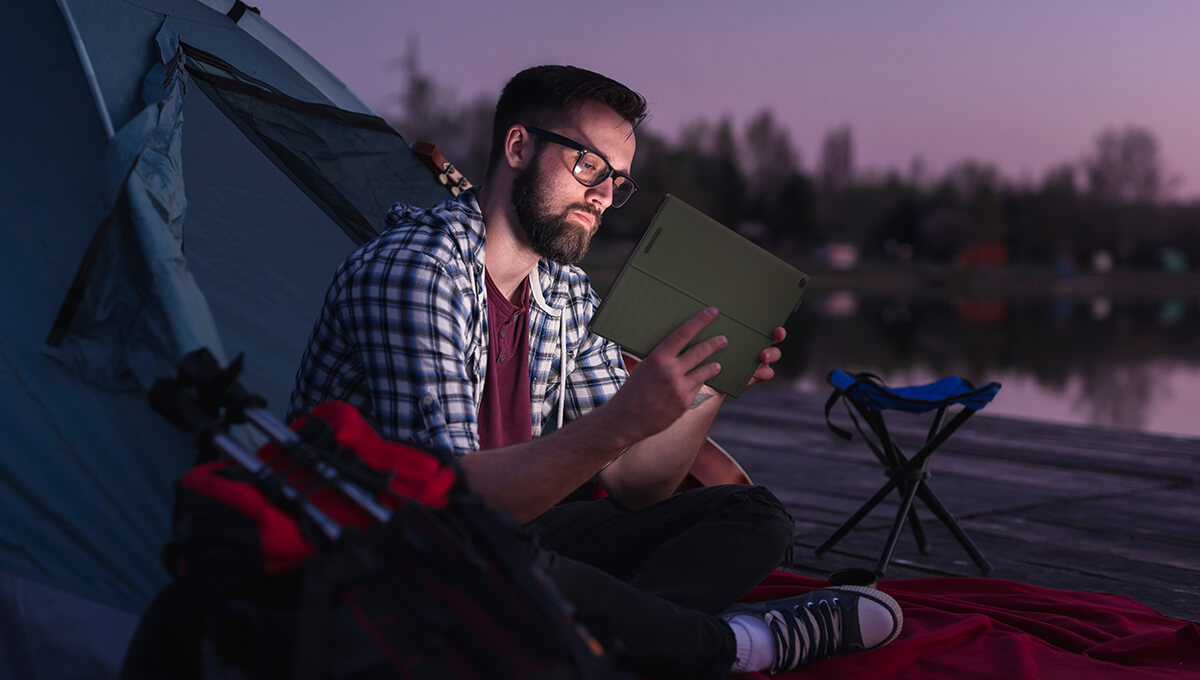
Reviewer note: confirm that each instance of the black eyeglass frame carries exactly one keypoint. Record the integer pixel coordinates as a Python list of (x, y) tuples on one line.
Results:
[(572, 144)]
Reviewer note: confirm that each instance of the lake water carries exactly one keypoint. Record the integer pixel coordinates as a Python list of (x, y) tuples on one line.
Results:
[(1128, 364)]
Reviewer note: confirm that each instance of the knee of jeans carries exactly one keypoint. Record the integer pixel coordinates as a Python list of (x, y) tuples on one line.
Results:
[(769, 511)]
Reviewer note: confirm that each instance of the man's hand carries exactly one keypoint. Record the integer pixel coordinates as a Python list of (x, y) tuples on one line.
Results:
[(768, 356), (663, 386), (527, 478)]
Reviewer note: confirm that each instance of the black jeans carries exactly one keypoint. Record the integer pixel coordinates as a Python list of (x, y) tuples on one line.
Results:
[(647, 583)]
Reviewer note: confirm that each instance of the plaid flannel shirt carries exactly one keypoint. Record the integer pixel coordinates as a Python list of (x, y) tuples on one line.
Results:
[(403, 333)]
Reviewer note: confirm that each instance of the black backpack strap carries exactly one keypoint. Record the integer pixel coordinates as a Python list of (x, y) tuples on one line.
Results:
[(829, 404), (844, 394), (166, 643), (840, 393)]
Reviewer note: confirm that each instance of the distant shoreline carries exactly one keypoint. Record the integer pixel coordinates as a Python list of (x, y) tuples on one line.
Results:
[(939, 281), (1009, 282)]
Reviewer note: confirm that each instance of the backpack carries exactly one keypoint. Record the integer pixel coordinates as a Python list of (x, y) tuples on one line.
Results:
[(332, 553)]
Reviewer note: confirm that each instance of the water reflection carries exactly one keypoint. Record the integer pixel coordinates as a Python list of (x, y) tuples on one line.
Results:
[(1131, 364)]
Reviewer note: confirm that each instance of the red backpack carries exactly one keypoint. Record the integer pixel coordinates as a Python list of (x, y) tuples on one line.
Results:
[(337, 554)]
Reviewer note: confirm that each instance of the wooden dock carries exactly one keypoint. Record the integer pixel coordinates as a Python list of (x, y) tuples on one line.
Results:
[(1069, 507)]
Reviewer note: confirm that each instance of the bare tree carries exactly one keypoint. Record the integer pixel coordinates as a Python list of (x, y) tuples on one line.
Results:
[(1127, 167), (425, 111), (770, 157), (837, 160)]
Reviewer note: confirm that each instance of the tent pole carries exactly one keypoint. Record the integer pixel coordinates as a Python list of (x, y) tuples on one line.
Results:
[(86, 62)]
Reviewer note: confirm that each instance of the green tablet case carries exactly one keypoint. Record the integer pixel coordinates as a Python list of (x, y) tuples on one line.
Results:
[(687, 261)]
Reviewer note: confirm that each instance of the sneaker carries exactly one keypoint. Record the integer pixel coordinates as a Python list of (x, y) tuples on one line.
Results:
[(825, 623)]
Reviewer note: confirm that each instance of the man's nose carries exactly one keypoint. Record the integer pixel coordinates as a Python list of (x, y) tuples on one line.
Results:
[(602, 194)]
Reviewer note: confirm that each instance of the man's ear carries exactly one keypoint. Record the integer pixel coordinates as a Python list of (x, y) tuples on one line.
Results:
[(518, 147)]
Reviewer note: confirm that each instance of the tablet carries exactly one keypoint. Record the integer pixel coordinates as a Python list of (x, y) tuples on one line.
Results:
[(687, 261)]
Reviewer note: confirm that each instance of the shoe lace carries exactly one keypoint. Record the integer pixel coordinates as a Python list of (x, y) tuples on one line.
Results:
[(806, 633)]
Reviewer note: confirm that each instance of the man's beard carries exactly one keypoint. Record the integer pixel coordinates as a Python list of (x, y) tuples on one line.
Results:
[(554, 237)]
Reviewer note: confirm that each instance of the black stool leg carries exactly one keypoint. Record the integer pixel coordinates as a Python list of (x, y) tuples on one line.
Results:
[(857, 516), (894, 534), (918, 530), (903, 471), (938, 508)]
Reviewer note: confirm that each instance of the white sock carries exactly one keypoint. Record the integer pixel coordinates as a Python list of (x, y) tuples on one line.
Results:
[(755, 643)]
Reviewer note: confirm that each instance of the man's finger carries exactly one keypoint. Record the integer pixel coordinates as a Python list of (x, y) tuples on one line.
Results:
[(763, 374), (702, 350), (703, 374), (674, 343)]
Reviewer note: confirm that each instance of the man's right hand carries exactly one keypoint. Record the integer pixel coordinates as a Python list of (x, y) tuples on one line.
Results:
[(525, 479), (662, 387)]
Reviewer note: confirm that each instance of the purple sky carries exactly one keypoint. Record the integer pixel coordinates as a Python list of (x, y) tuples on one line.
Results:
[(1025, 85)]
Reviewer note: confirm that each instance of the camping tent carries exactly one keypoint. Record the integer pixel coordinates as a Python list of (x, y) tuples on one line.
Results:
[(176, 174)]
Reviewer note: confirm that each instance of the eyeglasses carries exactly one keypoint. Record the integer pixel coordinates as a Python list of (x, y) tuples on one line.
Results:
[(592, 169)]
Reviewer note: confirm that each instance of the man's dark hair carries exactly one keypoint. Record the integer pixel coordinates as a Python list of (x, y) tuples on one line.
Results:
[(543, 95)]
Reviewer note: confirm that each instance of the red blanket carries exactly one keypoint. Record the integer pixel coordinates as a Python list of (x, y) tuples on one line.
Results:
[(989, 629)]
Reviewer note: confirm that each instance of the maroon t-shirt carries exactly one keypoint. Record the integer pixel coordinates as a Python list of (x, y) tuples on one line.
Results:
[(505, 412)]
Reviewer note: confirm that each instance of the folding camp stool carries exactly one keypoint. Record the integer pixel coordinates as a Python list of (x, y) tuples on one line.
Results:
[(869, 396)]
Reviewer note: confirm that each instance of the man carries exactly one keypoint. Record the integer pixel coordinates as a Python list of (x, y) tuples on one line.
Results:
[(440, 345)]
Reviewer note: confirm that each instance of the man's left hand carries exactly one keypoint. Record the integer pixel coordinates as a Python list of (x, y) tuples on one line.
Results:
[(768, 356)]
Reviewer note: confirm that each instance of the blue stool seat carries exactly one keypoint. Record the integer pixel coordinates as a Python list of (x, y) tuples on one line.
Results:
[(868, 396), (874, 394)]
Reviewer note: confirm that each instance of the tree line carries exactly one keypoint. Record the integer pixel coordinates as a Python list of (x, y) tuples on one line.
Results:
[(1114, 207)]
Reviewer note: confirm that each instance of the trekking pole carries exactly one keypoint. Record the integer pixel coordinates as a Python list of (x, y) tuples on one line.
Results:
[(185, 411), (218, 387), (270, 426)]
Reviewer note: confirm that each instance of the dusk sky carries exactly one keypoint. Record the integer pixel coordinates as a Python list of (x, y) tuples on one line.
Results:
[(1024, 85)]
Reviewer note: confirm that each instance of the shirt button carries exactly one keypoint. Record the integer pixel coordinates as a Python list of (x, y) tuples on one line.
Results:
[(503, 357), (501, 333), (427, 400)]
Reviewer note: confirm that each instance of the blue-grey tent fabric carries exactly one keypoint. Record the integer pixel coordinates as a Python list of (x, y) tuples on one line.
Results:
[(86, 468), (141, 310), (263, 254)]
